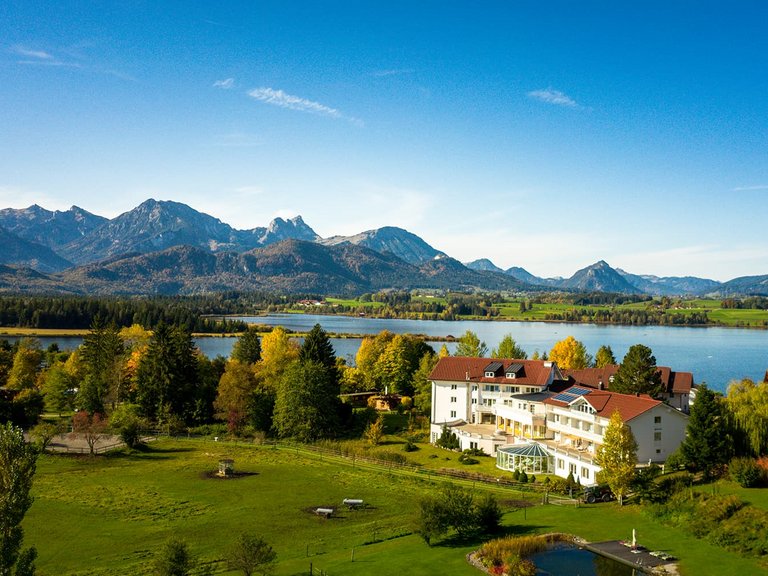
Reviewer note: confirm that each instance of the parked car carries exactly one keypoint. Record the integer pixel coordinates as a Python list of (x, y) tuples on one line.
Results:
[(598, 493)]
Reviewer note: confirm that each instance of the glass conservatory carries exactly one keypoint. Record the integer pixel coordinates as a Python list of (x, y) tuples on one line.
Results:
[(528, 458)]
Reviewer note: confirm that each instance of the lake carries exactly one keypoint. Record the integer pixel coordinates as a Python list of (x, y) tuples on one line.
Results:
[(714, 355)]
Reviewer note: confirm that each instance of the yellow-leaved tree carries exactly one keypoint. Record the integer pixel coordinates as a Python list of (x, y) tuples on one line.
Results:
[(570, 354), (617, 456)]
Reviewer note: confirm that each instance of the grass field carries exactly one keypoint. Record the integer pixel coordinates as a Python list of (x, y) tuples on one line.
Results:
[(110, 515)]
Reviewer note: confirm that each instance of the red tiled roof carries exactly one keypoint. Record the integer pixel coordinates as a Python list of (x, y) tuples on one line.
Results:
[(676, 382), (606, 403), (459, 368)]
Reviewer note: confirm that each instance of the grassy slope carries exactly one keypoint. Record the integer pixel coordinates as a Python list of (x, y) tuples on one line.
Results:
[(110, 515)]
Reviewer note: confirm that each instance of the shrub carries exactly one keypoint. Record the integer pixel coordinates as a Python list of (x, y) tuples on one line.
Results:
[(448, 440), (467, 459), (745, 471), (410, 447), (389, 456)]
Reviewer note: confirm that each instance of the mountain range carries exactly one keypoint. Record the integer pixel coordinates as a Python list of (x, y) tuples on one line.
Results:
[(170, 248)]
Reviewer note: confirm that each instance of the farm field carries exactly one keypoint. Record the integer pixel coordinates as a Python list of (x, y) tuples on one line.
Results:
[(110, 515)]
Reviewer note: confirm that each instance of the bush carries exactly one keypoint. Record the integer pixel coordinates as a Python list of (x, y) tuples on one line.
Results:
[(448, 440), (410, 447), (467, 459), (389, 456), (746, 472)]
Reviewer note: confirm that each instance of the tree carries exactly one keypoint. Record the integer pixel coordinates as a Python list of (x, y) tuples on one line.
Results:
[(422, 385), (236, 388), (102, 354), (277, 352), (174, 559), (250, 554), (617, 456), (604, 357), (470, 345), (58, 389), (167, 376), (43, 433), (247, 349), (26, 365), (17, 469), (375, 431), (638, 374), (748, 405), (570, 354), (307, 403), (317, 348), (455, 508), (126, 422), (708, 446), (93, 427), (508, 348)]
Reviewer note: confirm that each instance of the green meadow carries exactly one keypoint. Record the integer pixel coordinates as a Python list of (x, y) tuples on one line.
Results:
[(111, 514)]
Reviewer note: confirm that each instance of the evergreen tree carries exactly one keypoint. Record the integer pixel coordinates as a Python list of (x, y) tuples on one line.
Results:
[(708, 444), (617, 456), (307, 405), (247, 349), (604, 357), (102, 356), (317, 348), (166, 378), (638, 373), (422, 385), (471, 346), (508, 348)]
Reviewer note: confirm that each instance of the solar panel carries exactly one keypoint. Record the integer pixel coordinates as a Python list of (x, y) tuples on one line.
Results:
[(493, 367), (576, 391), (565, 397), (514, 368)]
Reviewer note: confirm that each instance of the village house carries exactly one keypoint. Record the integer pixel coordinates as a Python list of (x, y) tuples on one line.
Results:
[(535, 417)]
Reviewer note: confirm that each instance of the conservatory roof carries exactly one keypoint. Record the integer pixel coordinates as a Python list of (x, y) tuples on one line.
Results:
[(532, 449)]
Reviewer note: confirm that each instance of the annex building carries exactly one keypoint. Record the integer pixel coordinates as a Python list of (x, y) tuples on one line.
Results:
[(535, 417)]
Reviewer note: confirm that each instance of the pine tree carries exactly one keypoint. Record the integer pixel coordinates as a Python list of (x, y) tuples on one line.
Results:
[(638, 373), (604, 357), (471, 346), (247, 349), (508, 348), (708, 444)]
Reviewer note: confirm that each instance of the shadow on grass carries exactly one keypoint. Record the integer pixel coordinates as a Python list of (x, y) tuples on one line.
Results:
[(475, 540)]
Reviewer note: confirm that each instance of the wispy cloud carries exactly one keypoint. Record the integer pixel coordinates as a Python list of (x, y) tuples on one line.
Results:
[(225, 84), (31, 53), (750, 188), (555, 97), (284, 100), (392, 72)]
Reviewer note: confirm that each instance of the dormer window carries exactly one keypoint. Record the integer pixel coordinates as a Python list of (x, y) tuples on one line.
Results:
[(514, 371), (493, 369)]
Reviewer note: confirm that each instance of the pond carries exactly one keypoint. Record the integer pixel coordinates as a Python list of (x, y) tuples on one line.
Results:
[(567, 560)]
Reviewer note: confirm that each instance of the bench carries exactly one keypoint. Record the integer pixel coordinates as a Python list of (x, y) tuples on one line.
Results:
[(353, 503), (325, 512)]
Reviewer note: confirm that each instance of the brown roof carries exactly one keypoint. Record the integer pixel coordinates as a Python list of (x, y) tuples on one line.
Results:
[(606, 403), (677, 382), (463, 369)]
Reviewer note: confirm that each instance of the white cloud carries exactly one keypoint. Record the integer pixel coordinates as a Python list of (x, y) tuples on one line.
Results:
[(392, 72), (284, 100), (31, 53), (555, 97), (750, 188), (225, 84)]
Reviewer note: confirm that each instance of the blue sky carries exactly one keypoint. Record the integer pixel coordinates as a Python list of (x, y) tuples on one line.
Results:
[(546, 135)]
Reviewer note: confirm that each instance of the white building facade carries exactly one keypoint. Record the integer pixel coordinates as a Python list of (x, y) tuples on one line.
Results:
[(496, 404)]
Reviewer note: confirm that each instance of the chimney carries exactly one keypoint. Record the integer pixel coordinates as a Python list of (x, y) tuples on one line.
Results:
[(467, 376), (600, 385)]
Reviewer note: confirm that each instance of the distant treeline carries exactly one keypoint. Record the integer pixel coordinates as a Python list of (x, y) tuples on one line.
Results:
[(629, 317), (79, 312), (750, 303)]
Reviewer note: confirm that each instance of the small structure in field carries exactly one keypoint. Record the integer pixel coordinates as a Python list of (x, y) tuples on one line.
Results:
[(324, 512), (353, 503), (226, 468)]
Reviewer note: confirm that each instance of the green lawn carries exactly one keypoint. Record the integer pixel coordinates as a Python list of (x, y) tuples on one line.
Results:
[(110, 515)]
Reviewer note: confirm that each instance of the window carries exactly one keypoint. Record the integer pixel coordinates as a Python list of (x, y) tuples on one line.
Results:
[(657, 436), (474, 387), (453, 398), (474, 400), (572, 469), (532, 408), (453, 413), (473, 445), (560, 464), (586, 426), (657, 419), (491, 388), (454, 386), (585, 472)]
